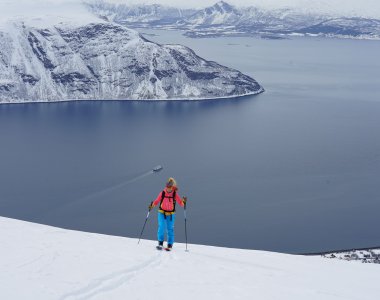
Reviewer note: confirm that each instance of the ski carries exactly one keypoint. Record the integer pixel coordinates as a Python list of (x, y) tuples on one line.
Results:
[(168, 249)]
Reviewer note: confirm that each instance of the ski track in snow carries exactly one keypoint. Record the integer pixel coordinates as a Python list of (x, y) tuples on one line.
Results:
[(52, 263), (236, 262), (114, 280)]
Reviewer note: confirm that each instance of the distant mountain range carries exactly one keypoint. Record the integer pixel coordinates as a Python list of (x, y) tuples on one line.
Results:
[(224, 19)]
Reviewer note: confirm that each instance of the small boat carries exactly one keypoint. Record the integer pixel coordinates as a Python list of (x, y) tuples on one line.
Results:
[(157, 169)]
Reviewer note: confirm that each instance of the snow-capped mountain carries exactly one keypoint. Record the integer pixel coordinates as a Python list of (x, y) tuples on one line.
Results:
[(145, 13), (225, 19), (48, 58), (53, 263), (219, 14)]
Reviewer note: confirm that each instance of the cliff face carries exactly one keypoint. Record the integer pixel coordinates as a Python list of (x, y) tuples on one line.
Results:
[(102, 60)]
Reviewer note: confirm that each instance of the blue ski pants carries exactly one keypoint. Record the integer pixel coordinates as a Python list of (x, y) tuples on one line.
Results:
[(166, 225)]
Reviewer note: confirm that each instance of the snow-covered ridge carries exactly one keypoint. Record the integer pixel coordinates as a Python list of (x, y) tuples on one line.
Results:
[(219, 14), (46, 56), (53, 263), (225, 19), (347, 8), (123, 12)]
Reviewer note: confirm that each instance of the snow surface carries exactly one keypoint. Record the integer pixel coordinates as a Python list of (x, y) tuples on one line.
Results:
[(43, 262)]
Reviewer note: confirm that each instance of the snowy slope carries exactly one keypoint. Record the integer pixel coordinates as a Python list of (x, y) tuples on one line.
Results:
[(49, 54), (41, 262)]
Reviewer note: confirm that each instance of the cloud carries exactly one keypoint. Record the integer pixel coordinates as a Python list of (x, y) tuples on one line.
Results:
[(48, 10), (366, 8)]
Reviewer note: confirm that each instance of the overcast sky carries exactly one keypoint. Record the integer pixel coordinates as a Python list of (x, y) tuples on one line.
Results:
[(366, 8)]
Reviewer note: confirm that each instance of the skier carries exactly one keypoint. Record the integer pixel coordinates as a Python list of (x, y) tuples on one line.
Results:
[(166, 212)]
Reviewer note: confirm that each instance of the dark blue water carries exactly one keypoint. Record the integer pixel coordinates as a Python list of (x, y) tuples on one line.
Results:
[(296, 169)]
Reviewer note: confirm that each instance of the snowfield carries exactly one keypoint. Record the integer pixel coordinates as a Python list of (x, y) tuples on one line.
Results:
[(43, 262)]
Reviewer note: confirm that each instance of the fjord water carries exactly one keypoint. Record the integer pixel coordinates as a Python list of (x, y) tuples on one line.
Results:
[(296, 169)]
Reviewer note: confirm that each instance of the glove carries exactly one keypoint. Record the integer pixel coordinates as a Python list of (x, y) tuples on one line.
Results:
[(184, 200), (151, 206)]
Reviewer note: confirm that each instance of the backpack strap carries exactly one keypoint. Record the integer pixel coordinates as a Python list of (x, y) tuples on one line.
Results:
[(174, 202), (162, 198)]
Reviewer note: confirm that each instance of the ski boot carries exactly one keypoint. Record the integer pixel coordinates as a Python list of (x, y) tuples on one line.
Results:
[(169, 247), (160, 245)]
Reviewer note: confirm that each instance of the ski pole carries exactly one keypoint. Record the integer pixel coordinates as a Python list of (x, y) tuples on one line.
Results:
[(146, 219), (184, 213)]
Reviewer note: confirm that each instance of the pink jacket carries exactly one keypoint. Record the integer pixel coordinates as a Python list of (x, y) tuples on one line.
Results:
[(167, 203)]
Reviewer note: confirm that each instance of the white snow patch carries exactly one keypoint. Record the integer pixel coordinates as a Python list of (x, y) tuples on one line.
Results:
[(43, 262), (191, 91)]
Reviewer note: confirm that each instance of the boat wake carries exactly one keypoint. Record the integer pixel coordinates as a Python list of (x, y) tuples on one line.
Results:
[(116, 186), (103, 192)]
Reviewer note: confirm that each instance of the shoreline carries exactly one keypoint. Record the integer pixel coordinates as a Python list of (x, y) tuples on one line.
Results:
[(262, 90), (201, 34), (339, 251)]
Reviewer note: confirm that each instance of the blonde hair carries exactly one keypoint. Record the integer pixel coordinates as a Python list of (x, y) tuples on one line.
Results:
[(172, 180)]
